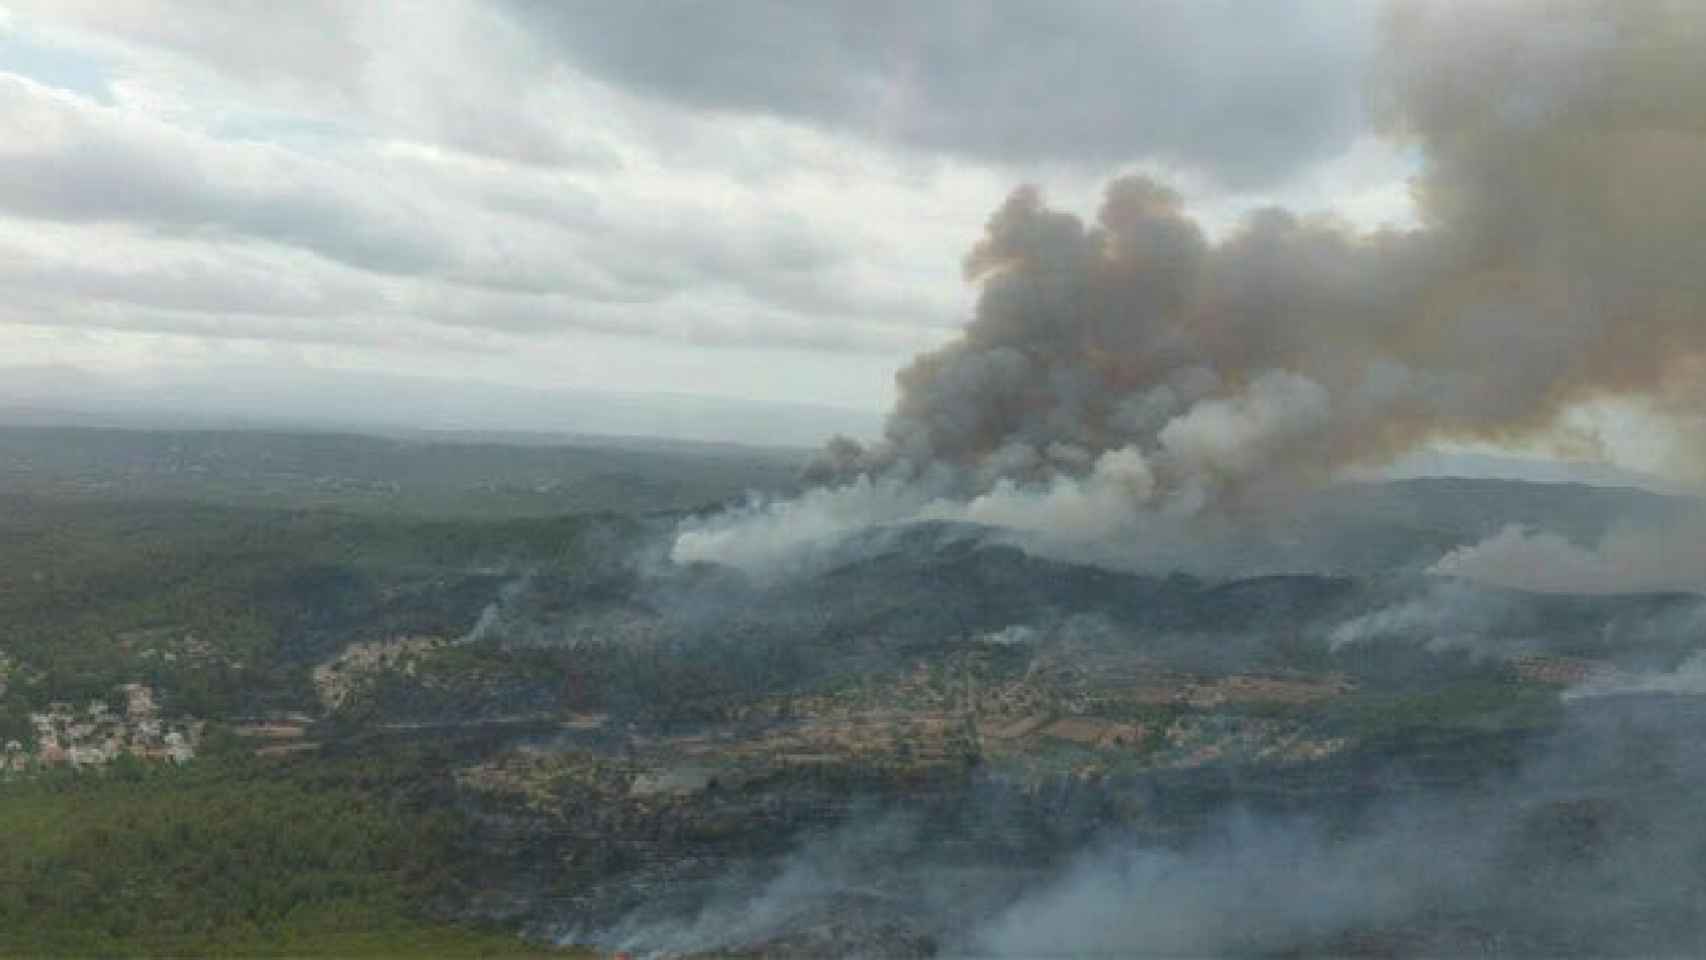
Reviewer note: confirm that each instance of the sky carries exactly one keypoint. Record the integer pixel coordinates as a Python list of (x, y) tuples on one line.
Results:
[(763, 203)]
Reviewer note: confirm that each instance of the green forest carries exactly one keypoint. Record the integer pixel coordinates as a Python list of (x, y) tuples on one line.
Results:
[(238, 855), (93, 595), (221, 600)]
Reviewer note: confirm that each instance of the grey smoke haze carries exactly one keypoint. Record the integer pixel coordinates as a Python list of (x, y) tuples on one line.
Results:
[(1628, 559), (1489, 871), (1688, 679), (275, 396), (853, 869), (1445, 616), (1590, 846)]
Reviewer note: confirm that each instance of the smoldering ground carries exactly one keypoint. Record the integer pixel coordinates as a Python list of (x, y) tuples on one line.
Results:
[(1588, 846)]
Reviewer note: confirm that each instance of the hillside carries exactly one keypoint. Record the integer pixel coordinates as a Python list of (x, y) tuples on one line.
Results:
[(930, 740)]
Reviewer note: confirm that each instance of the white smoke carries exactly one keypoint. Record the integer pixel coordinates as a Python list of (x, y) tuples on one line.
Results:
[(1056, 497), (1111, 499), (767, 538), (1688, 679), (1017, 634), (1448, 616), (1257, 886), (1626, 560), (772, 539)]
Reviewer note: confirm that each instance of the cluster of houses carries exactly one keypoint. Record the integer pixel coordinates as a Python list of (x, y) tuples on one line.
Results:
[(96, 735)]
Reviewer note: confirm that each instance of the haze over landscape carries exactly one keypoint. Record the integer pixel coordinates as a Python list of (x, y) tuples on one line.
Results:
[(847, 479)]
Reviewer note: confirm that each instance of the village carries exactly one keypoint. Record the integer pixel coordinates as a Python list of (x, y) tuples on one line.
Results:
[(96, 735)]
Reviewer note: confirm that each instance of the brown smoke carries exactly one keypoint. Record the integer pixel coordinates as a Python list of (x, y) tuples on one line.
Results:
[(1561, 259)]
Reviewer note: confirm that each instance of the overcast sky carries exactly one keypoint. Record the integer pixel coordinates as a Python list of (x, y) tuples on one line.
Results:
[(764, 201)]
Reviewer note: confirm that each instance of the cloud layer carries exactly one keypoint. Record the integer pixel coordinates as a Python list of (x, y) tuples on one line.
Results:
[(395, 185), (1247, 100)]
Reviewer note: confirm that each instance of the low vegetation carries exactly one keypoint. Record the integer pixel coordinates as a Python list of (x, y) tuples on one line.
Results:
[(235, 855)]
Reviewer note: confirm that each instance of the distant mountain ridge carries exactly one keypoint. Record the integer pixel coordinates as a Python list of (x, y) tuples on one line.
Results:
[(367, 402)]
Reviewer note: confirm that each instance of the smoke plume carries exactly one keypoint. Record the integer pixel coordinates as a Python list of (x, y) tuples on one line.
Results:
[(1561, 192), (1627, 560)]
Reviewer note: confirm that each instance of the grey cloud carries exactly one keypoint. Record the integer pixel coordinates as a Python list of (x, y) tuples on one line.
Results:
[(296, 45), (220, 302), (1246, 94), (719, 270), (228, 285), (462, 80), (451, 240), (776, 257), (37, 311), (72, 160), (713, 269), (469, 122)]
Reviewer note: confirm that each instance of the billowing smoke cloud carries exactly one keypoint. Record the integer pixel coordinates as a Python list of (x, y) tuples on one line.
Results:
[(772, 539), (1553, 268), (1562, 196)]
